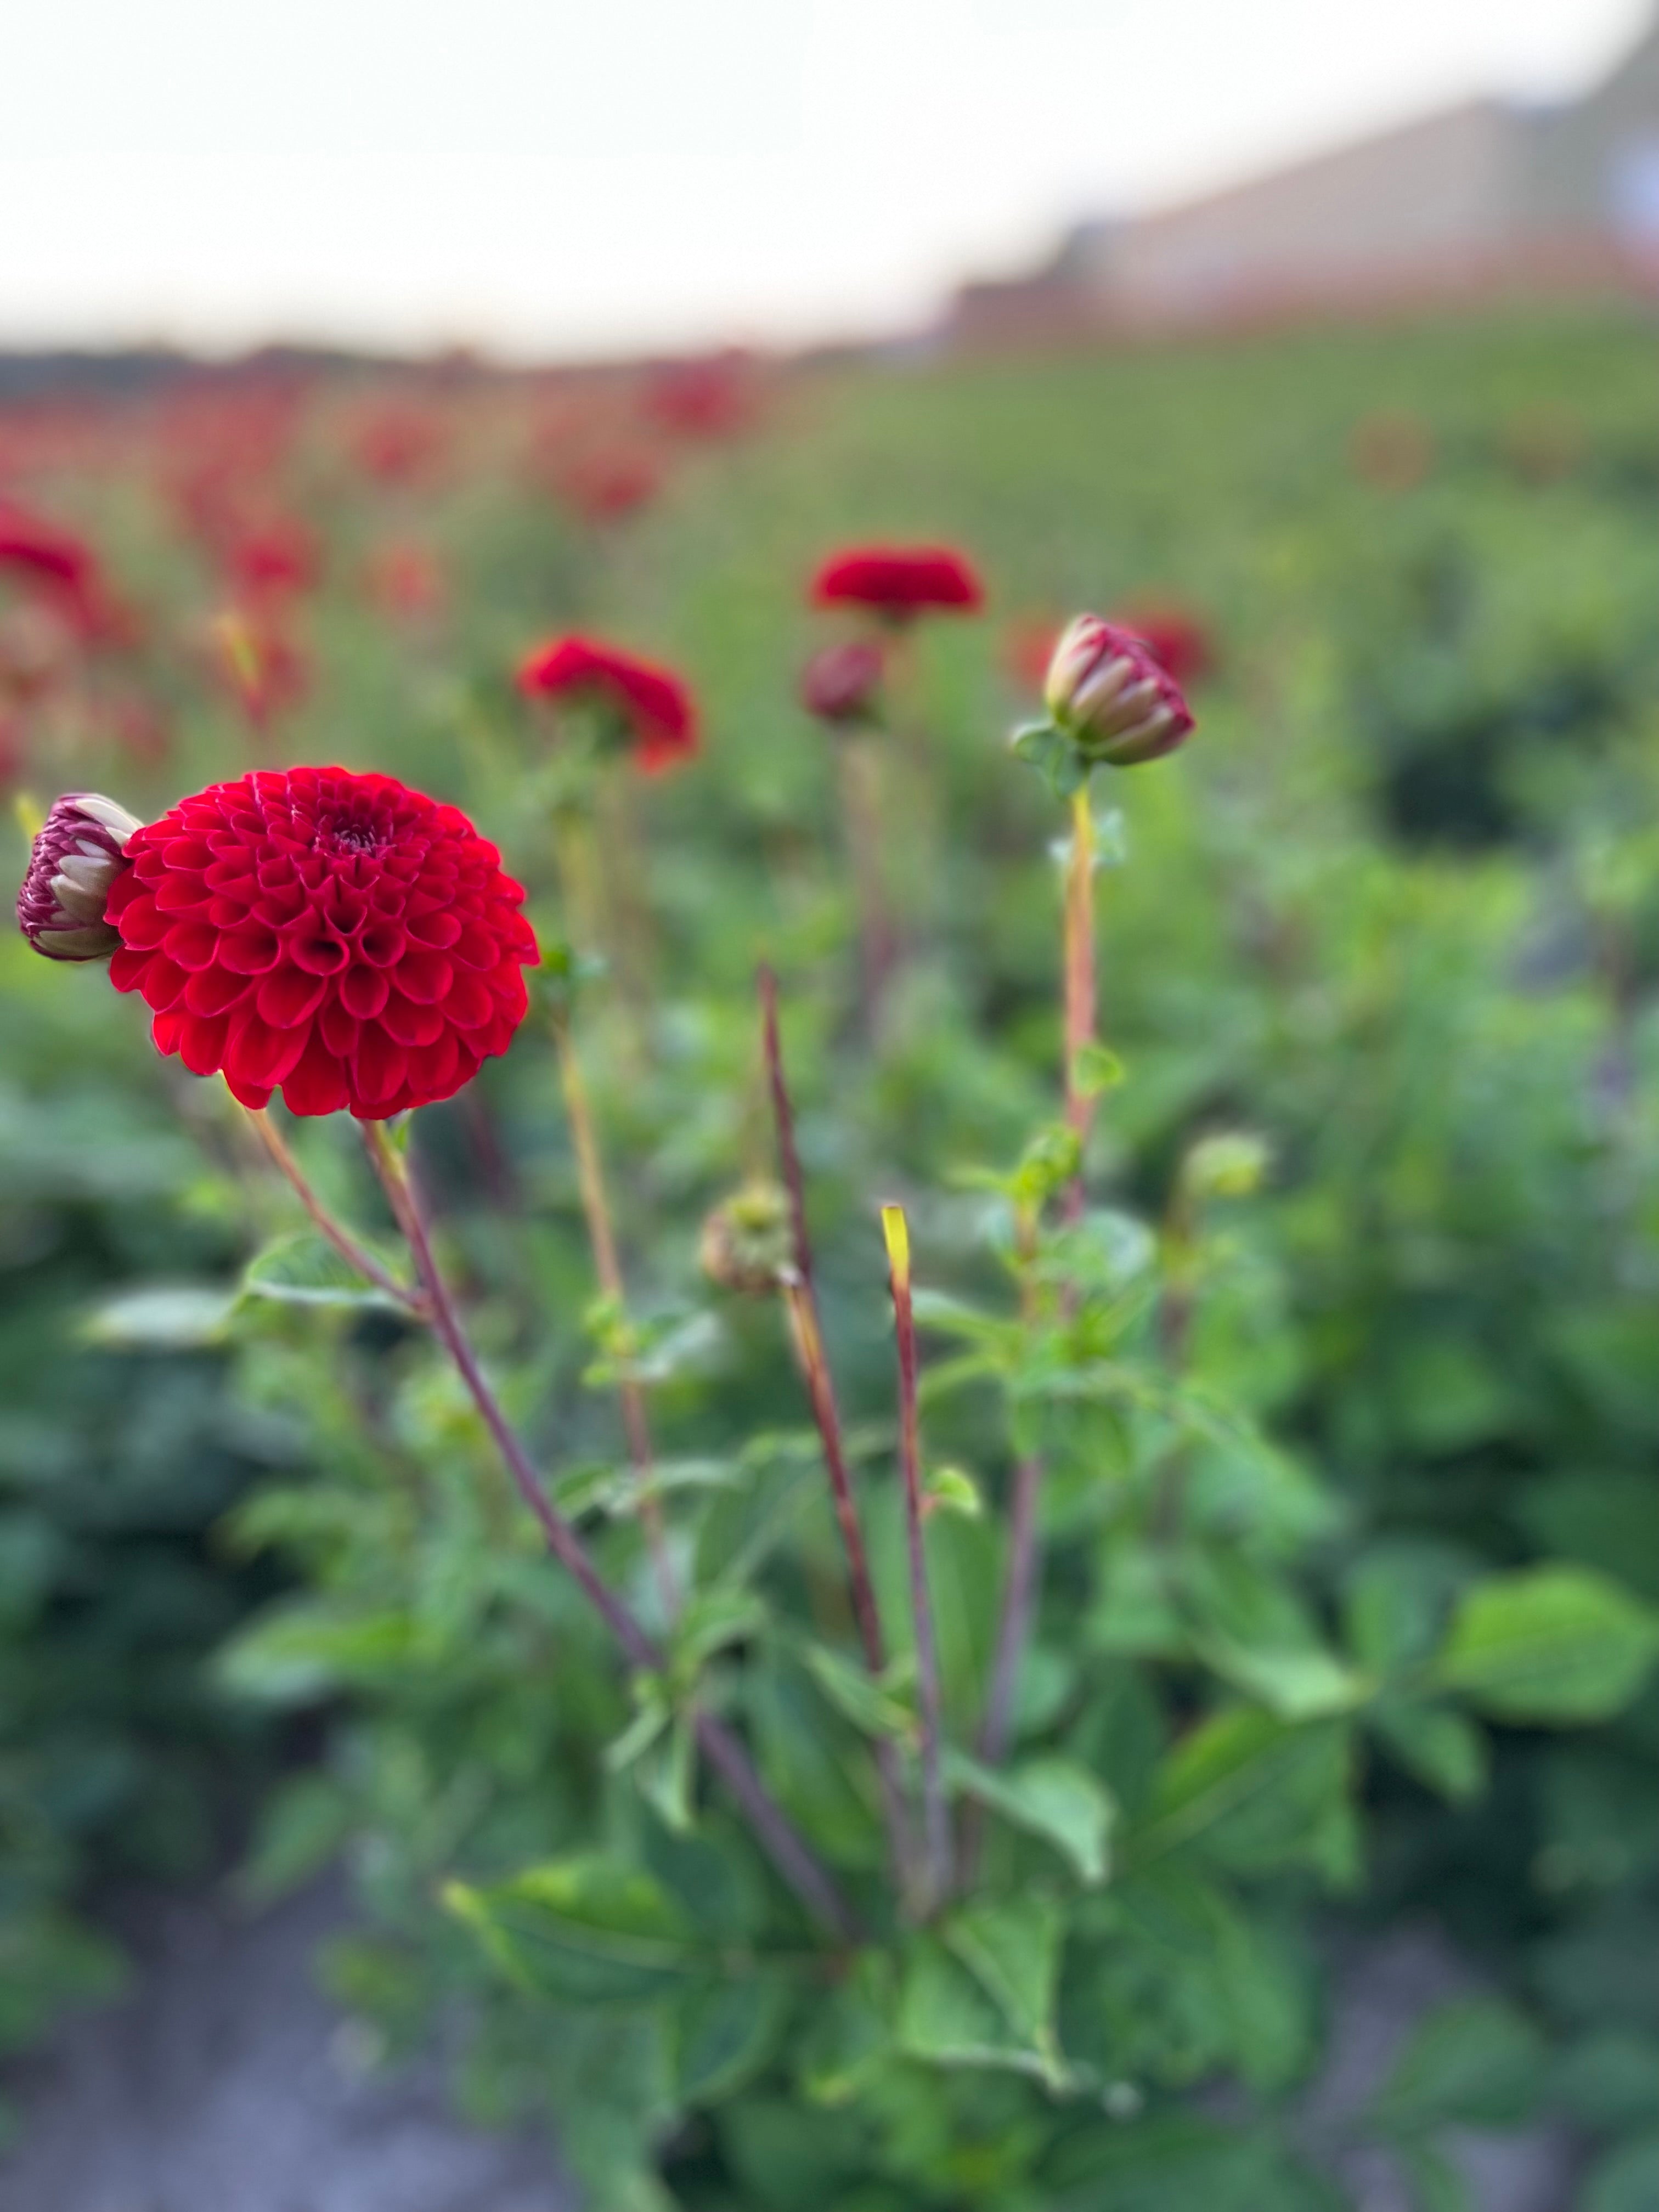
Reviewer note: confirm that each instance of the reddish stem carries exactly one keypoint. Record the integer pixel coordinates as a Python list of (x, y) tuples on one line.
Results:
[(788, 1849)]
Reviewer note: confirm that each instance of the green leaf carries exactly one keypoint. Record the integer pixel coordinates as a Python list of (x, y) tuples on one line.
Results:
[(160, 1317), (981, 1992), (850, 1688), (301, 1825), (1552, 1644), (1436, 2184), (1626, 2180), (304, 1269), (1397, 1601), (1478, 2062), (725, 2032), (1011, 1946), (302, 1649), (1054, 755), (1298, 1683), (712, 1620), (1052, 1797), (1442, 1748), (1255, 1793), (1094, 1070), (953, 1490), (582, 1930)]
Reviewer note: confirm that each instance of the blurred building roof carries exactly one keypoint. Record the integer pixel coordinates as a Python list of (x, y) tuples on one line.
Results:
[(1494, 195)]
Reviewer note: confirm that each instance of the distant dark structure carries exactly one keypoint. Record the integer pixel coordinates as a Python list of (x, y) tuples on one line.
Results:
[(1484, 198)]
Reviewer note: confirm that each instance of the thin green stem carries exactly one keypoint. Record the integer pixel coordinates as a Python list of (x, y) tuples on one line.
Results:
[(935, 1811)]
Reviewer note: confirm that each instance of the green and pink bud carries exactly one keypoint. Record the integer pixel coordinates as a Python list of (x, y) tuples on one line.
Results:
[(73, 866), (1106, 692)]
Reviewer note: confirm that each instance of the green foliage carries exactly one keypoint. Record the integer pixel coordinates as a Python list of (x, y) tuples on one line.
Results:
[(1342, 1380)]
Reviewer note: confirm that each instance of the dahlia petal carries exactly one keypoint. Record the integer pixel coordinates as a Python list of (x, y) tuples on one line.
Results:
[(181, 894), (317, 1084), (363, 992), (255, 1095), (165, 1030), (423, 976), (433, 933), (201, 1041), (216, 990), (126, 969), (383, 944), (476, 946), (163, 984), (141, 921), (289, 995), (339, 1030), (468, 1005), (260, 1054), (191, 946), (252, 951), (407, 1023), (380, 1067)]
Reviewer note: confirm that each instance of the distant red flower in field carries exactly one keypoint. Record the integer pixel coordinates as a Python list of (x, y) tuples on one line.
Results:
[(339, 937), (841, 684), (405, 581), (400, 442), (899, 582), (608, 486), (62, 568), (654, 708), (273, 558), (264, 669), (1178, 640), (713, 398)]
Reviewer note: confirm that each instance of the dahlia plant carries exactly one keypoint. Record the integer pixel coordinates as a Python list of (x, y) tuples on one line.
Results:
[(923, 1794)]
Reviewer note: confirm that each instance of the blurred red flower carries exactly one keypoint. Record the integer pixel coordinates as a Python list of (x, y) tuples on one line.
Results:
[(272, 558), (339, 937), (899, 581), (61, 566), (607, 486), (400, 441), (653, 706), (405, 581), (711, 399), (1178, 638), (843, 683)]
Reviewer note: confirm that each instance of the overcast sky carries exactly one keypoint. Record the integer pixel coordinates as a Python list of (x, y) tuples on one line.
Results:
[(539, 176)]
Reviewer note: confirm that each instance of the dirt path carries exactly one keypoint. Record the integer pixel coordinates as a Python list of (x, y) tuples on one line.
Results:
[(225, 2084)]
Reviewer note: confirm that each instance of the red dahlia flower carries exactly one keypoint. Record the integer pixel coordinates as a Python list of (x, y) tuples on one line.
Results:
[(271, 559), (899, 581), (337, 936), (651, 707), (841, 684), (1177, 640), (62, 566)]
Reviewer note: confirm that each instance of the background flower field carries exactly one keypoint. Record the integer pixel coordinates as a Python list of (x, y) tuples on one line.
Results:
[(1394, 912)]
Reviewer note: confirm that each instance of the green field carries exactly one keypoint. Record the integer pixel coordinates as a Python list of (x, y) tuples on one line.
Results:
[(1352, 1600)]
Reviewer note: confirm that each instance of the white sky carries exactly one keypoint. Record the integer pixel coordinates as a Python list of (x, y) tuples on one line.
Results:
[(541, 176)]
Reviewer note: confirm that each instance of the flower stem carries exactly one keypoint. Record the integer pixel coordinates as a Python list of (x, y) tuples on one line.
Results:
[(858, 769), (788, 1849), (801, 1306), (362, 1261), (935, 1814), (602, 1238), (1080, 979)]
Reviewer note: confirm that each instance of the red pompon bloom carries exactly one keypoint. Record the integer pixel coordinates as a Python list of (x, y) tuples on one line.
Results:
[(899, 581), (711, 399), (337, 937), (1177, 640), (266, 672), (654, 709), (609, 485), (63, 567), (271, 559)]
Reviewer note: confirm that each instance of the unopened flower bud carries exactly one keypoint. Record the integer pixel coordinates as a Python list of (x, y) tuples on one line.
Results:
[(75, 860), (1109, 696), (748, 1244), (843, 683)]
